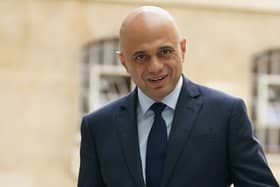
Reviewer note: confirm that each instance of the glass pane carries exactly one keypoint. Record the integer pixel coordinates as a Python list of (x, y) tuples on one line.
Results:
[(275, 60), (113, 87), (273, 108), (94, 54), (109, 52)]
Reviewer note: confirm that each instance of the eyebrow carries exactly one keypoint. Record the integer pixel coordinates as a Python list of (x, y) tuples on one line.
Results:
[(166, 47), (160, 48), (138, 53)]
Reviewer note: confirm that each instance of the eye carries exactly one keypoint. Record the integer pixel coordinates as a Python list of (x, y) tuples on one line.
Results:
[(165, 51), (140, 57)]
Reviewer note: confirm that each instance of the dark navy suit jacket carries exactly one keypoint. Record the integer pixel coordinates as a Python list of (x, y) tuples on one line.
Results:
[(211, 144)]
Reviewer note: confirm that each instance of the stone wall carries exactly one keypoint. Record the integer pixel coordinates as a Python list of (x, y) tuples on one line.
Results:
[(41, 44)]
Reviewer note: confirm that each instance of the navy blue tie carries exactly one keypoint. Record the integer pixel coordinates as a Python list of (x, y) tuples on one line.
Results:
[(156, 147)]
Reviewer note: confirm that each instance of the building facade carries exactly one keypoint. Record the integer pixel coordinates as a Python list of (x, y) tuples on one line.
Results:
[(58, 61)]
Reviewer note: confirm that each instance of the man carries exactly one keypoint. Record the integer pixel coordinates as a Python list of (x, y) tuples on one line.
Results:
[(169, 132)]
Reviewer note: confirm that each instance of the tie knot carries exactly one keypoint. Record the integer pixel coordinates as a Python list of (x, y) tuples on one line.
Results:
[(158, 107)]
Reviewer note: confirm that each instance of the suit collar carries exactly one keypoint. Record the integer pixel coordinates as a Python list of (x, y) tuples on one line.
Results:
[(186, 112), (127, 122), (187, 109), (145, 102)]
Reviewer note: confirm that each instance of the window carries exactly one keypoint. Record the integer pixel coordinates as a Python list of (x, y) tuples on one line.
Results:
[(103, 77), (102, 80), (266, 98)]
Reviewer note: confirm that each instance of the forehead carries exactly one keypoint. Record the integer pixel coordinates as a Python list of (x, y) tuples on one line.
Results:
[(149, 32)]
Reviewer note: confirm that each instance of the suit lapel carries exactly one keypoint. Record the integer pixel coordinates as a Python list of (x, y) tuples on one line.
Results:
[(187, 109), (127, 123)]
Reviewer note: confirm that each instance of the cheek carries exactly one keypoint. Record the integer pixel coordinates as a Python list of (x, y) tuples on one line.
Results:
[(175, 65), (137, 74), (130, 69)]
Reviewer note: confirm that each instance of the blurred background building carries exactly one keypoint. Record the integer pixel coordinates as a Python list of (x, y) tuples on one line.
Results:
[(58, 61)]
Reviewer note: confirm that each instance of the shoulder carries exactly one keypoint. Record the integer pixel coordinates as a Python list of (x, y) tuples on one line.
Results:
[(217, 95), (220, 105), (216, 98), (110, 110), (106, 111), (102, 119)]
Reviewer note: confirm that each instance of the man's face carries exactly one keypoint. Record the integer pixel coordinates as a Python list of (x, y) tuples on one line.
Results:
[(153, 56)]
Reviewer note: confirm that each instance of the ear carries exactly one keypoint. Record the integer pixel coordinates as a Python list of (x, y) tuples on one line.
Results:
[(122, 60), (183, 46)]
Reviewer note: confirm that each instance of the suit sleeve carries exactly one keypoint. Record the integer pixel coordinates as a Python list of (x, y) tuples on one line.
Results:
[(248, 164), (89, 173)]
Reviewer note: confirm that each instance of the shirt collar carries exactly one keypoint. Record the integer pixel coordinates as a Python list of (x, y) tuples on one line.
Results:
[(170, 100)]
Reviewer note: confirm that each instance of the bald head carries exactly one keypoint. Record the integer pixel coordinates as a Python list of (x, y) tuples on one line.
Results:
[(152, 50), (145, 19)]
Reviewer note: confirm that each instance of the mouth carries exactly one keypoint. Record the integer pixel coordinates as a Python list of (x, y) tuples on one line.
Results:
[(158, 79)]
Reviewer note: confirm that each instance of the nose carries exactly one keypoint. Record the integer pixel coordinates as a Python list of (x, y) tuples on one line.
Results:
[(155, 65)]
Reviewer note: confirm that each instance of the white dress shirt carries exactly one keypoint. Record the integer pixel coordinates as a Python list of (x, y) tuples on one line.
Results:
[(145, 117)]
